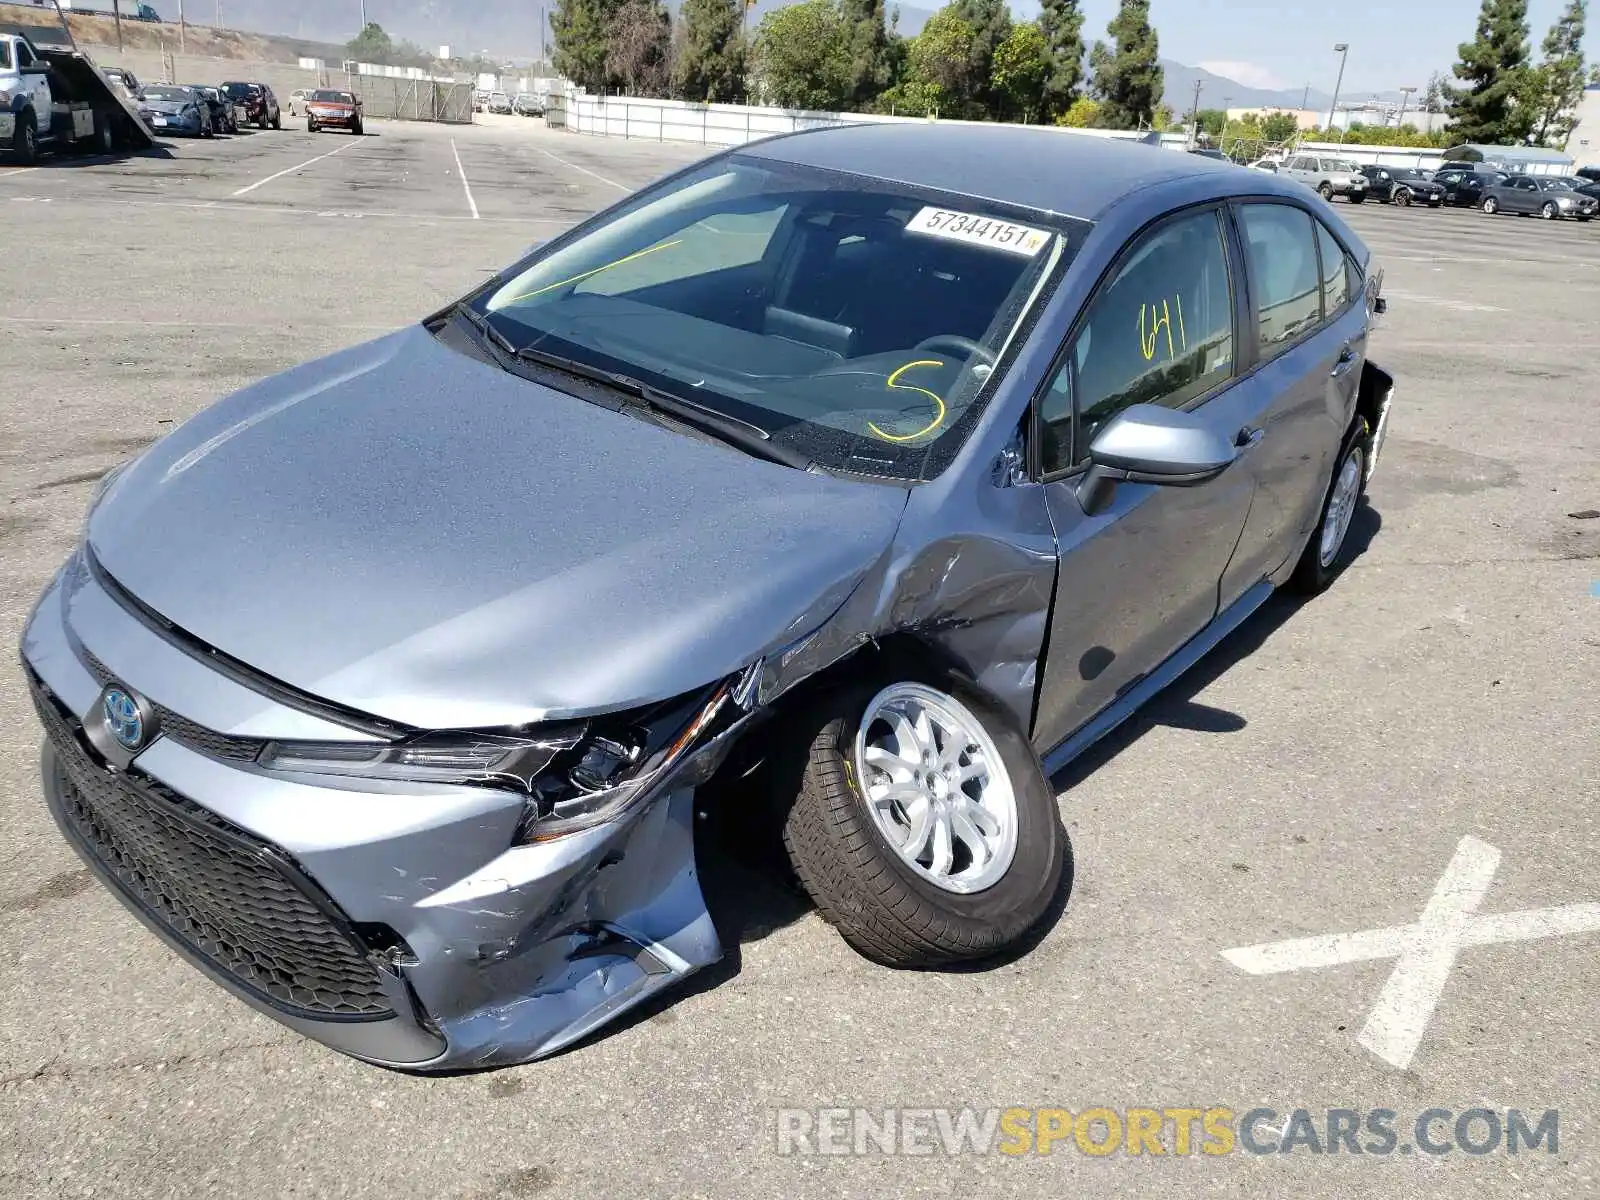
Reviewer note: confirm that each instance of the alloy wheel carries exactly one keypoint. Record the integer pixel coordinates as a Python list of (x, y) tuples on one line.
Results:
[(936, 787), (1341, 507)]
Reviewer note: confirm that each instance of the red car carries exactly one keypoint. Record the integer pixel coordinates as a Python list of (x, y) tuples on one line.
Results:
[(340, 110)]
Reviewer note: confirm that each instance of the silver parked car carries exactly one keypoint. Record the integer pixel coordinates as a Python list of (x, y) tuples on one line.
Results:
[(863, 477), (1328, 176), (1551, 197)]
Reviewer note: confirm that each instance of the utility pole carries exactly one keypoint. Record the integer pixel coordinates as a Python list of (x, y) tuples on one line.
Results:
[(1405, 94), (1342, 49), (1305, 98), (363, 15), (544, 63), (116, 15), (1194, 117), (183, 42)]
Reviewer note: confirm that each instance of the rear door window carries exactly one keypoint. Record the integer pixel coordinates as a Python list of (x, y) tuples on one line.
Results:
[(1335, 272), (1281, 248)]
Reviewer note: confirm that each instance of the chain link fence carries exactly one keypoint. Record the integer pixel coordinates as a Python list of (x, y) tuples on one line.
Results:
[(413, 99)]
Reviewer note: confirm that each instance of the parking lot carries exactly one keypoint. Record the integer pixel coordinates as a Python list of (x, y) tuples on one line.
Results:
[(1351, 764)]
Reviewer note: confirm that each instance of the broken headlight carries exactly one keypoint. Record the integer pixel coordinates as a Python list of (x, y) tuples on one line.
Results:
[(575, 774)]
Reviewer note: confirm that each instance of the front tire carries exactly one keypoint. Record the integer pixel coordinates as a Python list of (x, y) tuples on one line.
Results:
[(1356, 197), (1403, 197), (1491, 205), (25, 141), (312, 127), (1327, 553), (1325, 190), (1550, 212), (921, 823)]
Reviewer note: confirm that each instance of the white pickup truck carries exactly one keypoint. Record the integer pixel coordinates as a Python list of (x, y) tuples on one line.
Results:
[(55, 98)]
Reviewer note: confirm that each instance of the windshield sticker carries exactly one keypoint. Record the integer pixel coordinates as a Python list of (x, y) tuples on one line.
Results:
[(978, 230), (894, 384)]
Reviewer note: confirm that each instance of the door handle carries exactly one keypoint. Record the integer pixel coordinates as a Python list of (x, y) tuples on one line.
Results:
[(1248, 437), (1346, 360)]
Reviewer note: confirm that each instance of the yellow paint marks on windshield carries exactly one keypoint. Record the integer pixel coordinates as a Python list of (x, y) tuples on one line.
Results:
[(579, 278), (894, 382)]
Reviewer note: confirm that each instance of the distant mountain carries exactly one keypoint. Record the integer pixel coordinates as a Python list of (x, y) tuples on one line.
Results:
[(1217, 91)]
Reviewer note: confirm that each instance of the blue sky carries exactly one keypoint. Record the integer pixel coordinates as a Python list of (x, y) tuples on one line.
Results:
[(1289, 43)]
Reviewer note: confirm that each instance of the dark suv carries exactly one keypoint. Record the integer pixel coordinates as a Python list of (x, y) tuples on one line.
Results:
[(259, 104)]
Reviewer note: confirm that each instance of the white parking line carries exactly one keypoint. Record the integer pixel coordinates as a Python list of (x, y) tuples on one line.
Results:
[(467, 187), (15, 171), (291, 170), (610, 182), (1425, 951)]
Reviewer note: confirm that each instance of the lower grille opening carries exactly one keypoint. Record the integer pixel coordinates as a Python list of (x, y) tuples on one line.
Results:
[(238, 903)]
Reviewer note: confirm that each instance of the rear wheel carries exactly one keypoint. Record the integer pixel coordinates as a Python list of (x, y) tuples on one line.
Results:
[(921, 823), (105, 139), (1326, 553), (277, 120), (1491, 205)]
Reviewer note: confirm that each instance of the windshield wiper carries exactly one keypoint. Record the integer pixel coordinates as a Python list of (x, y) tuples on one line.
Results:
[(480, 322), (743, 435)]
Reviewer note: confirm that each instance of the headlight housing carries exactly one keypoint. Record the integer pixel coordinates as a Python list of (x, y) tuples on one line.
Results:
[(575, 774)]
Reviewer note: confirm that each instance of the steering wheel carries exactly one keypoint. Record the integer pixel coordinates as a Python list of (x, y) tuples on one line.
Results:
[(964, 346)]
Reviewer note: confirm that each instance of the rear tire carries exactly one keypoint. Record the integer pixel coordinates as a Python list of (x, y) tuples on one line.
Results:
[(277, 121), (1327, 553), (888, 907)]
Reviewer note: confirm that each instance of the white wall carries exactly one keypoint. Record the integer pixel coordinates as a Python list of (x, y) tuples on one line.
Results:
[(1584, 144)]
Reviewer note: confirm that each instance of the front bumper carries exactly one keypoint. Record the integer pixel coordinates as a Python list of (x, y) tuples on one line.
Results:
[(343, 120), (397, 923)]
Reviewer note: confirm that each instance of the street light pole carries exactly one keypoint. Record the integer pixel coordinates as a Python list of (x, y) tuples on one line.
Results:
[(1405, 94), (1342, 49)]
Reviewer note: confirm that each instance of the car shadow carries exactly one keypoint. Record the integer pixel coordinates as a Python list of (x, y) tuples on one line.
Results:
[(60, 162)]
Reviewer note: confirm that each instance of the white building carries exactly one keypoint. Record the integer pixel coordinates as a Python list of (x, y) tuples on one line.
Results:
[(1583, 143)]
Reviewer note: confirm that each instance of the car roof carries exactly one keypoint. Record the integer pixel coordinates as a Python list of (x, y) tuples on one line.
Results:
[(1038, 167)]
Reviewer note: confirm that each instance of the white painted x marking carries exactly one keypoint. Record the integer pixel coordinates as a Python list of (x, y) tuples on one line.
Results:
[(1426, 950)]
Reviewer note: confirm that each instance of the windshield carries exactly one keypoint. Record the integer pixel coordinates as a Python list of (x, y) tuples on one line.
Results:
[(5, 56), (1551, 185), (333, 97), (168, 95), (1340, 164), (856, 321), (239, 91)]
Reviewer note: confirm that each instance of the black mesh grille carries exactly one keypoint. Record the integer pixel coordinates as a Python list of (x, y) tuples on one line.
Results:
[(181, 729), (214, 888)]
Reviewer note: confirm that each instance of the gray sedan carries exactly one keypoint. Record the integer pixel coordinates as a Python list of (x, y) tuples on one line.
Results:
[(1550, 198), (862, 478)]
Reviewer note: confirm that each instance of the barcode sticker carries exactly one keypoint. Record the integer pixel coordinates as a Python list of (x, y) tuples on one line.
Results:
[(979, 230)]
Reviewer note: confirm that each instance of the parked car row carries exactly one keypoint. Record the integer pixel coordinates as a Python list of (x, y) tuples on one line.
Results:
[(198, 109), (1466, 185)]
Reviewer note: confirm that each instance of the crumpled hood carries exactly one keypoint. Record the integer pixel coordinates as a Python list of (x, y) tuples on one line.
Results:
[(411, 533)]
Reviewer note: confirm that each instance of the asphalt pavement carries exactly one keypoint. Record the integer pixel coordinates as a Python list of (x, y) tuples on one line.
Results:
[(1403, 759)]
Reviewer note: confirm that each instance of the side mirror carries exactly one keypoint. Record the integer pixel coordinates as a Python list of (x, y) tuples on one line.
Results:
[(34, 68), (1146, 443)]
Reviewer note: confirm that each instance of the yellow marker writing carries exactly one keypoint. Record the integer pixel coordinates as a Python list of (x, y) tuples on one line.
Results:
[(894, 382), (1148, 342)]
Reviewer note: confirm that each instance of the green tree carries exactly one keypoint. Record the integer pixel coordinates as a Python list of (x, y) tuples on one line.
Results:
[(581, 28), (867, 42), (1021, 67), (1127, 75), (911, 98), (371, 45), (1061, 22), (1433, 96), (639, 47), (804, 56), (1212, 120), (1494, 65), (990, 21), (1082, 113), (942, 55), (1557, 84), (710, 61), (1278, 127), (1594, 73)]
